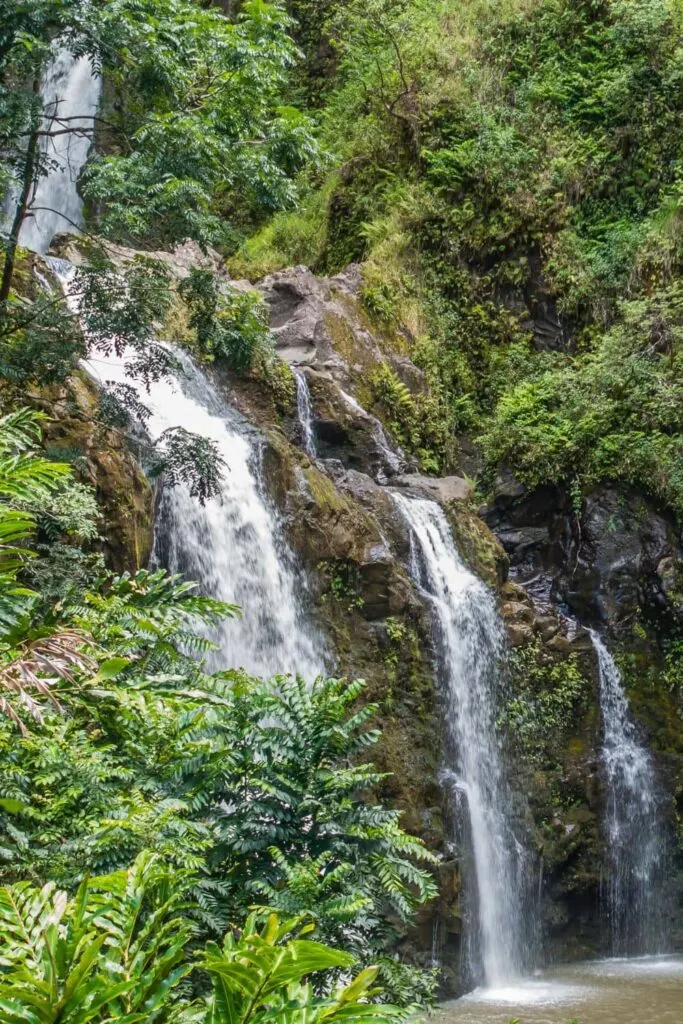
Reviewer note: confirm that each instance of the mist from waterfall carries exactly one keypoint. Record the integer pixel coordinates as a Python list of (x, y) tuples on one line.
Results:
[(469, 645), (70, 93), (632, 823)]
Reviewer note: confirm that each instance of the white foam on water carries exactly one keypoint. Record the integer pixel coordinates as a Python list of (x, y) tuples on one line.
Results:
[(529, 993), (624, 967)]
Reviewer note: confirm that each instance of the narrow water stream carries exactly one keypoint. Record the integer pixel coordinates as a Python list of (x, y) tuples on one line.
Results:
[(469, 645), (632, 826), (304, 413), (70, 92)]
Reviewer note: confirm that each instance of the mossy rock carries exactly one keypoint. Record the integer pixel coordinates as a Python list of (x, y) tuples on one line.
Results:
[(477, 546), (124, 494)]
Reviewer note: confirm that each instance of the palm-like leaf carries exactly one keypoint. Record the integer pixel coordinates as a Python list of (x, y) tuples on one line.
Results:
[(36, 667), (145, 935), (26, 480)]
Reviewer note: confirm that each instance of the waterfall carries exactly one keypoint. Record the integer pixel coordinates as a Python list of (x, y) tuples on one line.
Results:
[(70, 92), (304, 412), (469, 646), (234, 545), (632, 822)]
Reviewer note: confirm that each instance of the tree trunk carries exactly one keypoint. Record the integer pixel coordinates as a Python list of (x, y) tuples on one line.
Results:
[(22, 209)]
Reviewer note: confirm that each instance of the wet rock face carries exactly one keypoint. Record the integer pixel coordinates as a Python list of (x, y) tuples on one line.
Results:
[(537, 309), (553, 758), (124, 494), (320, 328), (443, 490), (308, 314), (619, 558), (616, 565), (625, 558), (346, 432)]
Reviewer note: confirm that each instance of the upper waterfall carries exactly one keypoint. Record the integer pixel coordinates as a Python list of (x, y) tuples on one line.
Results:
[(70, 94), (469, 642), (632, 822)]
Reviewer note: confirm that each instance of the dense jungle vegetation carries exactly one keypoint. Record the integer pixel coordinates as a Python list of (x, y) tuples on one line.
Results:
[(180, 845)]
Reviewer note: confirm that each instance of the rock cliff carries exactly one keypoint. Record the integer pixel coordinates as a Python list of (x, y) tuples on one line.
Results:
[(613, 562)]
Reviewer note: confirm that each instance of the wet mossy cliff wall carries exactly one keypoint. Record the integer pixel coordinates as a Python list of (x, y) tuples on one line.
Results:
[(555, 571), (353, 544), (99, 455), (103, 458)]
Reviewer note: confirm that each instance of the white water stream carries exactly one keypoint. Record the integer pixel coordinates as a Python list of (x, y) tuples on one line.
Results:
[(469, 643), (632, 825), (304, 412), (70, 93), (233, 546), (393, 456)]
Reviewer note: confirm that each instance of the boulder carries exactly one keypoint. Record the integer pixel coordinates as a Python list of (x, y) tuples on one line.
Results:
[(443, 490), (619, 558)]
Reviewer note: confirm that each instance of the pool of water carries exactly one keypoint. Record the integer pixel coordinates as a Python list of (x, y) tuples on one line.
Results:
[(647, 990)]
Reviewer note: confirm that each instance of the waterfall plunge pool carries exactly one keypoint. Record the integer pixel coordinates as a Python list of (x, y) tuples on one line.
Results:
[(644, 990)]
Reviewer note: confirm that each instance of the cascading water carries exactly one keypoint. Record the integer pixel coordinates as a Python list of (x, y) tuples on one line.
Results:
[(469, 645), (70, 92), (233, 546), (305, 412), (632, 822)]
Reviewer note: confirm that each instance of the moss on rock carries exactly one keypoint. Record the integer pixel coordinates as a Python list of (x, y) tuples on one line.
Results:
[(124, 494)]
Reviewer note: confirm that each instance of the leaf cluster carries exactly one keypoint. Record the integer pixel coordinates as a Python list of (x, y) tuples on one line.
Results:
[(118, 952)]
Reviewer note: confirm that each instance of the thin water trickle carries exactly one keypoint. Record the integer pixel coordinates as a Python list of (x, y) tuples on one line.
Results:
[(632, 822), (392, 454), (305, 412), (234, 545), (70, 93), (469, 646)]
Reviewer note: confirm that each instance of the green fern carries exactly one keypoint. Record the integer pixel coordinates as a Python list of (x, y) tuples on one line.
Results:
[(26, 481)]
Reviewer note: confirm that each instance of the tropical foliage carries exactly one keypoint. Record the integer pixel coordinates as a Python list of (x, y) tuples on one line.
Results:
[(199, 127), (508, 172), (510, 175), (225, 792), (118, 951)]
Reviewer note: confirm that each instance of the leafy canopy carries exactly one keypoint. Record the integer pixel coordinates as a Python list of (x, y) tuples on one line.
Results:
[(199, 130)]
